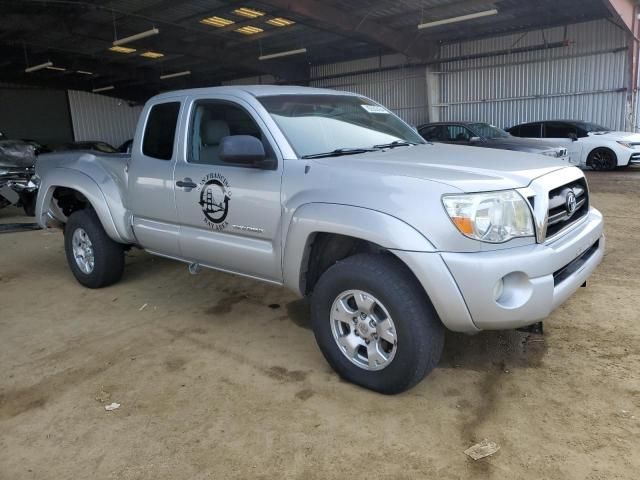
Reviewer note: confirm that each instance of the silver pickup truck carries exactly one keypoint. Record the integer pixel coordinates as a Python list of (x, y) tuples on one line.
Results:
[(334, 197)]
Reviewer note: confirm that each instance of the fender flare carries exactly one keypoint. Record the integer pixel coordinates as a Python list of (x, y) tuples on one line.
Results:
[(373, 226), (76, 180)]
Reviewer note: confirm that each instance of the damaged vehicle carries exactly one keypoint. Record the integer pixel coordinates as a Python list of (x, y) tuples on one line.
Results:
[(17, 165), (484, 135)]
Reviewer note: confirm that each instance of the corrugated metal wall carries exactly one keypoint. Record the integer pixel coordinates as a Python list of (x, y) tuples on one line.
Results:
[(403, 90), (584, 80), (97, 117)]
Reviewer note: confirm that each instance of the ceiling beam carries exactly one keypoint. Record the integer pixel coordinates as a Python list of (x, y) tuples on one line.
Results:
[(365, 28), (625, 12)]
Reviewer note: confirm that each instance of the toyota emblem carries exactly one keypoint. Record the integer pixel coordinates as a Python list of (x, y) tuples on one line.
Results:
[(571, 202)]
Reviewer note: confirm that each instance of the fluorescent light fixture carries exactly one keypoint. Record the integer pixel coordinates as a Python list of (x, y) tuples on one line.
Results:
[(249, 30), (84, 72), (282, 54), (122, 49), (35, 68), (103, 89), (137, 36), (280, 22), (59, 69), (248, 12), (151, 54), (217, 21), (461, 18), (174, 75)]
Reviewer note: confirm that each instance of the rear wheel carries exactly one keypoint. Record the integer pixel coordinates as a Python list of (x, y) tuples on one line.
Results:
[(374, 323), (95, 260), (602, 159)]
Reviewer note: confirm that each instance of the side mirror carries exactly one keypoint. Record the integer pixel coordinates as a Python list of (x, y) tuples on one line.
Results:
[(573, 137), (474, 139), (244, 150)]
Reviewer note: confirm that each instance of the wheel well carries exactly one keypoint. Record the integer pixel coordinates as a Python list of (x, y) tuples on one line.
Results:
[(325, 249), (69, 200), (601, 148)]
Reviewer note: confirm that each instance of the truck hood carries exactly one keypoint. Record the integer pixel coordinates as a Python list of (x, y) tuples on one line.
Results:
[(468, 169)]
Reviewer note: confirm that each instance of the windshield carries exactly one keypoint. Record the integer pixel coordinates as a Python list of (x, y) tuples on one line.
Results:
[(593, 127), (488, 131), (315, 124)]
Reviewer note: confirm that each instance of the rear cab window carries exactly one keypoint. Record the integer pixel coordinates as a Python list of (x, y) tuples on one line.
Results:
[(160, 131)]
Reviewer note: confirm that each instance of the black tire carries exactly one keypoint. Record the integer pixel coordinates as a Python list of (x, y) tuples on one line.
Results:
[(419, 332), (108, 255), (602, 159)]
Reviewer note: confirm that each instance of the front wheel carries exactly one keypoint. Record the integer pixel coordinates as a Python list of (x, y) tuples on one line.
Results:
[(602, 159), (94, 258), (374, 323)]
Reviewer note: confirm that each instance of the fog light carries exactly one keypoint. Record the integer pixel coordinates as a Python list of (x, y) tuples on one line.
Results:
[(498, 289)]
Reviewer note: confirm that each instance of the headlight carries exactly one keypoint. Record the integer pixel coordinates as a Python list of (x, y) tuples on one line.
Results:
[(625, 144), (556, 153), (493, 217), (551, 153)]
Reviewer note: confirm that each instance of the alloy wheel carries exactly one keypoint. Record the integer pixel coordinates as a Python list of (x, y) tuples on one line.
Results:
[(363, 330), (83, 251)]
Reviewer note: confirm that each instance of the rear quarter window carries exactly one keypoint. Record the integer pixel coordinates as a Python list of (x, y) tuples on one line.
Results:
[(559, 130), (530, 130), (160, 131), (429, 133)]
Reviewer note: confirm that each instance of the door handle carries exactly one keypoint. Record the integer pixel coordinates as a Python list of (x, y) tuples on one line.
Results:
[(187, 184)]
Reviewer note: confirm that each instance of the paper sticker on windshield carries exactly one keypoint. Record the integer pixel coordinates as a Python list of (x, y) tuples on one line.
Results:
[(375, 109)]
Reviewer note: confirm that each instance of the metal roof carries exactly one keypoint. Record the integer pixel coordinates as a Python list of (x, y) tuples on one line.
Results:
[(76, 35)]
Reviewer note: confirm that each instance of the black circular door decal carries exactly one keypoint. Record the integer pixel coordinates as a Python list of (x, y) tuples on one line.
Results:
[(215, 196)]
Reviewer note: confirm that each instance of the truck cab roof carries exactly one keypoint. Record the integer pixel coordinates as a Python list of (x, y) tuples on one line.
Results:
[(252, 90)]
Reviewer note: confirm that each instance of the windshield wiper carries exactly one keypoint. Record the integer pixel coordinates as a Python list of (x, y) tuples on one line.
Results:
[(395, 143), (339, 151)]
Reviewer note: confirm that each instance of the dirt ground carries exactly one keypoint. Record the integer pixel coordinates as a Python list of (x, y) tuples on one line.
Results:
[(220, 377)]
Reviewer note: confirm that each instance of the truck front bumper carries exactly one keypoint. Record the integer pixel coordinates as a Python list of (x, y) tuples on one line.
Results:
[(512, 287)]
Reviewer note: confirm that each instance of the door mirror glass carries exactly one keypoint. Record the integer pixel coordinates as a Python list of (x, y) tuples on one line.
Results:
[(243, 150), (573, 136)]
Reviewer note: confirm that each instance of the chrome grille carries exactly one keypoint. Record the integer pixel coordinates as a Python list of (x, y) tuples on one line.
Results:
[(559, 215)]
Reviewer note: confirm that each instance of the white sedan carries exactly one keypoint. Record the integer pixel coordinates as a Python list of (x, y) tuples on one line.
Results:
[(592, 145)]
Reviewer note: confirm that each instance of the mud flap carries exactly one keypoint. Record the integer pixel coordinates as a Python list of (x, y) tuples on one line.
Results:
[(535, 328)]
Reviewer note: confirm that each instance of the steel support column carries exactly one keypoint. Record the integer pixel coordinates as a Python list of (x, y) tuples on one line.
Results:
[(625, 13)]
